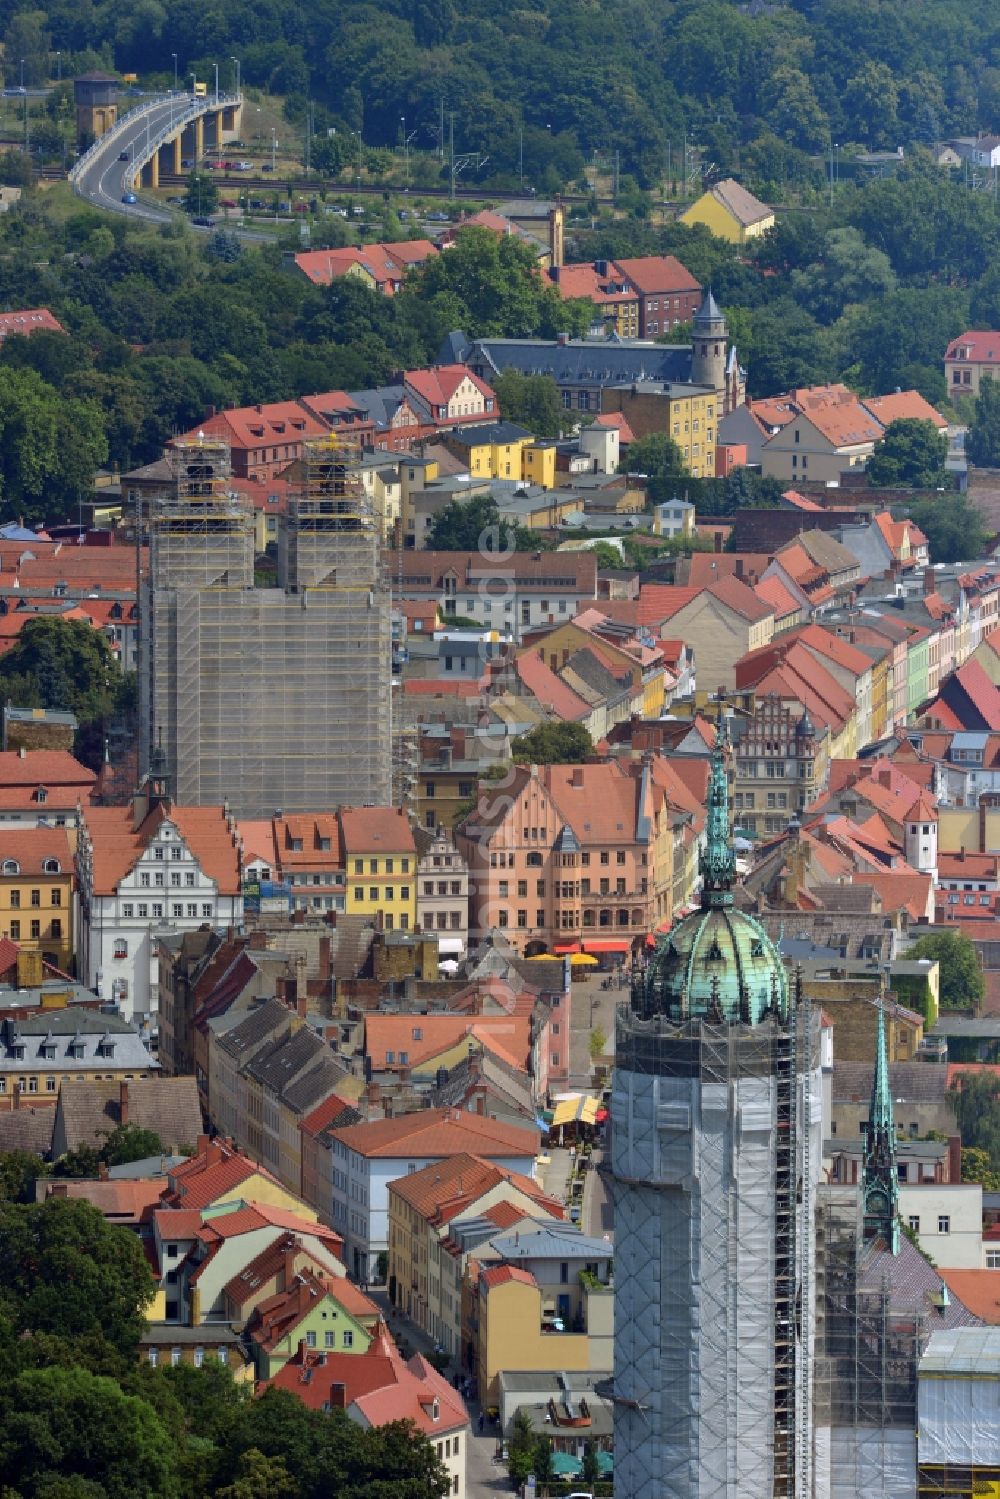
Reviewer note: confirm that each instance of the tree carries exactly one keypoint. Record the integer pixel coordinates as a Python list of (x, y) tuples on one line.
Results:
[(258, 1477), (49, 447), (63, 664), (596, 1044), (530, 400), (849, 271), (201, 195), (606, 555), (660, 460), (62, 1424), (472, 525), (982, 443), (65, 1270), (19, 1170), (129, 1142), (591, 1469), (520, 1448), (976, 1100), (542, 1467), (962, 983), (553, 744), (977, 1167), (910, 452), (952, 524)]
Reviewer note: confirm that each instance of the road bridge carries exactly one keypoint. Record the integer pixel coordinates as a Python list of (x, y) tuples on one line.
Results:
[(161, 133)]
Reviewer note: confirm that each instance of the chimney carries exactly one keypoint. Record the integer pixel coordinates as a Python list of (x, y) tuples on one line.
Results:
[(302, 1352), (577, 777), (202, 1145), (930, 582), (338, 1397), (258, 939), (123, 1102), (58, 1189), (22, 753), (955, 1158), (102, 1171), (325, 959), (288, 1265), (739, 567), (717, 540)]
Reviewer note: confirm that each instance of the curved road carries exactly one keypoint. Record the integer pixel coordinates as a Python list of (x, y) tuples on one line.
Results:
[(105, 178)]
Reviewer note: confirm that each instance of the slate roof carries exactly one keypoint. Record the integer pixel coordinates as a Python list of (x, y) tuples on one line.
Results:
[(914, 1284), (166, 1105), (581, 361), (28, 1129), (911, 1082)]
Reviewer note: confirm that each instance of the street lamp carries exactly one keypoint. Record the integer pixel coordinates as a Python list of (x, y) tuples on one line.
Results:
[(274, 148), (22, 75), (236, 63), (174, 56), (215, 65), (406, 154), (59, 67)]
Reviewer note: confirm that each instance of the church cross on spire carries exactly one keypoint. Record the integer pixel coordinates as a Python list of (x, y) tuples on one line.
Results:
[(879, 1178)]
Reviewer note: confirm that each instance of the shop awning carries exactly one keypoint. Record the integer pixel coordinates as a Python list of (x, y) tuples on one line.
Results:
[(450, 946), (577, 1109), (606, 944), (564, 947)]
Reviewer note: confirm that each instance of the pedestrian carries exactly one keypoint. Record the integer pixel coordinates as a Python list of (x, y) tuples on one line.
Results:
[(482, 1422)]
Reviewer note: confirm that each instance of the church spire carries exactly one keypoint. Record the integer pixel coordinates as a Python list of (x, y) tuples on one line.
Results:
[(718, 862), (879, 1179)]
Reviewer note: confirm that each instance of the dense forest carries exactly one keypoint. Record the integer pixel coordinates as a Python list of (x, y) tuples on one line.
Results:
[(606, 75)]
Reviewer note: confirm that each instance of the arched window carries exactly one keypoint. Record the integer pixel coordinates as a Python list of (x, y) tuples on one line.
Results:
[(11, 866), (52, 866)]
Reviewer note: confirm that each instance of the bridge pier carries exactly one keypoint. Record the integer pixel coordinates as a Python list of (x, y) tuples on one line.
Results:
[(199, 140), (176, 143)]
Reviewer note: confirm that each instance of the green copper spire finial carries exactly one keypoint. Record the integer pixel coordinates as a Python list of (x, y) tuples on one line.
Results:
[(880, 1180), (718, 862)]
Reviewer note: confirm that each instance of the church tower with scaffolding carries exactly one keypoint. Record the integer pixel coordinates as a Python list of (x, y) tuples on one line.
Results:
[(270, 698), (716, 1155)]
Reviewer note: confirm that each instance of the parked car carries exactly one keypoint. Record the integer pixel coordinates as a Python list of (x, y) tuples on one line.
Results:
[(187, 164), (202, 222), (256, 202), (266, 167), (242, 166), (129, 198)]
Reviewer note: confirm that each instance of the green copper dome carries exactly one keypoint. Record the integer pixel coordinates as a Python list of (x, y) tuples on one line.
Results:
[(717, 962)]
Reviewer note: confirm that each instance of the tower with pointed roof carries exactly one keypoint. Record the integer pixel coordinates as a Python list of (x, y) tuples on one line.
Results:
[(921, 836), (709, 340), (716, 1156), (879, 1178)]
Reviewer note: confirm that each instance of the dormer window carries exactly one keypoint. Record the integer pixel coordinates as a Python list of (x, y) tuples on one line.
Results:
[(51, 866), (41, 795), (11, 866)]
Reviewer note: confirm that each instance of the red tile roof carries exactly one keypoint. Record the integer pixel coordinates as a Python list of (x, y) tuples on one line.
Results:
[(509, 1037), (444, 1190), (206, 1177), (376, 830), (117, 843), (552, 692), (439, 1132), (902, 890), (586, 283), (654, 274), (903, 404), (799, 500), (29, 320), (436, 386), (54, 769), (979, 1290), (981, 347), (619, 420), (502, 1275), (33, 848), (378, 1383)]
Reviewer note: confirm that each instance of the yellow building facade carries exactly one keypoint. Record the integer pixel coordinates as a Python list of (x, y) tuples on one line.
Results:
[(538, 464), (380, 863), (36, 893), (511, 1335), (730, 213)]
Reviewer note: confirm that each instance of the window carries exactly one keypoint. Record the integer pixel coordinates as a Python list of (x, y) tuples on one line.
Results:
[(189, 879), (36, 897), (311, 1339), (15, 899), (199, 1357), (944, 1223), (175, 1356), (206, 909), (192, 909), (15, 930), (121, 948), (328, 1339), (993, 1259), (348, 1340), (57, 928), (55, 898), (152, 1354)]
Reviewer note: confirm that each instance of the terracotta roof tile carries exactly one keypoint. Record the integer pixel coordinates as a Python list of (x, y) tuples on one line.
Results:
[(439, 1132), (376, 830), (441, 1191), (502, 1275), (655, 274)]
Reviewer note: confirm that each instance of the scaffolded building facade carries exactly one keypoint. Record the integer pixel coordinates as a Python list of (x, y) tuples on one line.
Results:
[(270, 698), (716, 1155)]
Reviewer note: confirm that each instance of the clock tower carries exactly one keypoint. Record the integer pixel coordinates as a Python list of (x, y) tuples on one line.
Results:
[(880, 1180)]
